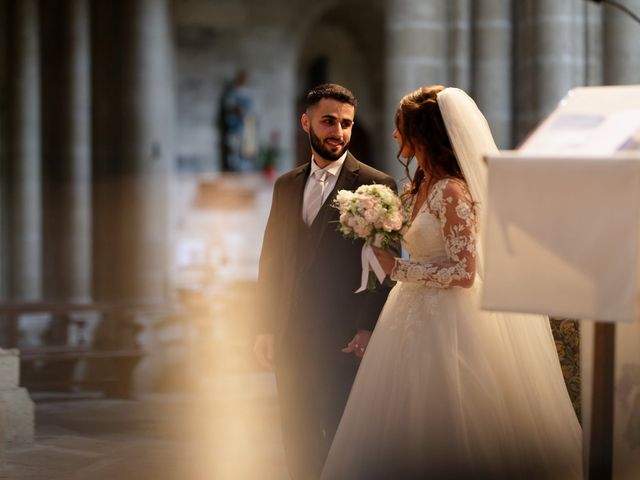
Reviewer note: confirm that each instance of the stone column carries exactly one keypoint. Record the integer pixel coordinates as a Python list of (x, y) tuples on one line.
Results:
[(4, 254), (145, 116), (416, 54), (524, 69), (146, 141), (25, 154), (75, 118), (4, 101), (492, 65), (549, 58), (106, 43), (23, 158), (621, 45), (460, 44), (593, 43), (560, 55)]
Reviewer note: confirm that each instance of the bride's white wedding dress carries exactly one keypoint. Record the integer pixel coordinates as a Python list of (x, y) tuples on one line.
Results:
[(446, 391)]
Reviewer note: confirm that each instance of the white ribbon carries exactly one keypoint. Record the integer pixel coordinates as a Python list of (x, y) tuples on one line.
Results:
[(370, 263)]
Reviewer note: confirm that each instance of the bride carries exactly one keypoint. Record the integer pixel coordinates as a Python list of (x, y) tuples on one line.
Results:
[(445, 390)]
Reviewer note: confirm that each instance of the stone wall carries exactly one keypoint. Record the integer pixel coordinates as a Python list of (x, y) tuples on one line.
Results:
[(213, 41), (276, 45)]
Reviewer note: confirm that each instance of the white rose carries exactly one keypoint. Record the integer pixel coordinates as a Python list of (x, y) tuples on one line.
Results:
[(371, 215), (389, 225), (365, 203), (362, 228)]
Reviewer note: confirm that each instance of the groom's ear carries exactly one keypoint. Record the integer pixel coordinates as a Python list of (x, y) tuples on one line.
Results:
[(304, 120)]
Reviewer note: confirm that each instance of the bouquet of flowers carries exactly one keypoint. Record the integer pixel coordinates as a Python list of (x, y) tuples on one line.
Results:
[(376, 214)]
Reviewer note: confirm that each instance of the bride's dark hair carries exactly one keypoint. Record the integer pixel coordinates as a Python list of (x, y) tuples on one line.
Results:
[(419, 122)]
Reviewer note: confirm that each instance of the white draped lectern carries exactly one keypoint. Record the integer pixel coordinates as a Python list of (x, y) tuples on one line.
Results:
[(563, 238)]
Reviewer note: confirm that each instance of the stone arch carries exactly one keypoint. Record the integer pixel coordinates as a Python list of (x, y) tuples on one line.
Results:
[(339, 44)]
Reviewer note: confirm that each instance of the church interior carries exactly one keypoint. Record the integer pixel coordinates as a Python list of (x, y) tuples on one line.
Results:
[(139, 144)]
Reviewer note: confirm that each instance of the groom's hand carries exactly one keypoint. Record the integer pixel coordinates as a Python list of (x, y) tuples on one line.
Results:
[(263, 350), (358, 344)]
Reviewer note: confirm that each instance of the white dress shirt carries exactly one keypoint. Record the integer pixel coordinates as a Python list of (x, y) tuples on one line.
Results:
[(332, 170)]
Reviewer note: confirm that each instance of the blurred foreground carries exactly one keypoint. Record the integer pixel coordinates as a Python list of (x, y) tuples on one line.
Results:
[(227, 430)]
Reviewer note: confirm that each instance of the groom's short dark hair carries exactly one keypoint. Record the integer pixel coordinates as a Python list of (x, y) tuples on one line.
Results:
[(330, 90)]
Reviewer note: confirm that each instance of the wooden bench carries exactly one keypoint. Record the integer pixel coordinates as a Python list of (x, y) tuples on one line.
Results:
[(116, 367), (108, 358)]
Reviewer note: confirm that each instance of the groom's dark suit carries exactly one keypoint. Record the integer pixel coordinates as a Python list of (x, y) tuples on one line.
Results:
[(308, 276)]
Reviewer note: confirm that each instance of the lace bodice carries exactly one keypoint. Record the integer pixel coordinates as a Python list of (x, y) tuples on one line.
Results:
[(441, 240)]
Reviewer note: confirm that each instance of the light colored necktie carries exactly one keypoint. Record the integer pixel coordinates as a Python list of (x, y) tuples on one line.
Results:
[(316, 194)]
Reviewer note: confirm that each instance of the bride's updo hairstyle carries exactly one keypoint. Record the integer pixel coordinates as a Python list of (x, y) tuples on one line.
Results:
[(419, 121)]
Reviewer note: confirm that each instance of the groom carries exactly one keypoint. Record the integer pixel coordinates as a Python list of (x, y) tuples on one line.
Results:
[(315, 328)]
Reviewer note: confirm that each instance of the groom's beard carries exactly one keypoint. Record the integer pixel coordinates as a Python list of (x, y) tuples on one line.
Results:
[(323, 151)]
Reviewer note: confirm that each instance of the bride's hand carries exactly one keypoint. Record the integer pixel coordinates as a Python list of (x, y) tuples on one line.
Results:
[(386, 259)]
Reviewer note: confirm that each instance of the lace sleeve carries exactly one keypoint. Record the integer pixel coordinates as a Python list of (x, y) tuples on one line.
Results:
[(452, 204)]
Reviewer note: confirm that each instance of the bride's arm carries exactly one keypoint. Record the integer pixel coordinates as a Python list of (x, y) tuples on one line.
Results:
[(454, 207)]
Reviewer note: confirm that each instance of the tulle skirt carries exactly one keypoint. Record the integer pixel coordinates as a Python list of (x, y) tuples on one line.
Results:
[(447, 391)]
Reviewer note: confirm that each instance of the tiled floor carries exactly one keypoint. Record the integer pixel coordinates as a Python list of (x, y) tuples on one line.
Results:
[(228, 430)]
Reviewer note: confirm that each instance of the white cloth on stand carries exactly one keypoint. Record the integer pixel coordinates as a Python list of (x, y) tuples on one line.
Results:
[(563, 237)]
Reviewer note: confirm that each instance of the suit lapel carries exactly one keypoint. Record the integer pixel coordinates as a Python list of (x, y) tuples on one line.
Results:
[(297, 192), (293, 207)]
